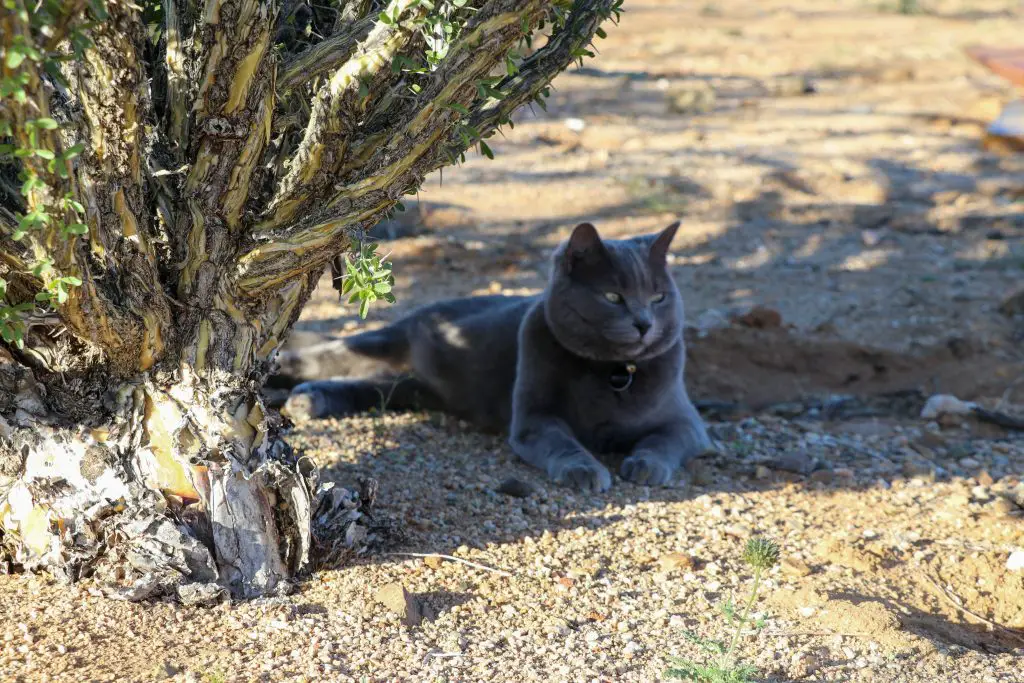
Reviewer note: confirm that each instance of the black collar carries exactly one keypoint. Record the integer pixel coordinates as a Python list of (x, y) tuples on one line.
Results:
[(622, 376)]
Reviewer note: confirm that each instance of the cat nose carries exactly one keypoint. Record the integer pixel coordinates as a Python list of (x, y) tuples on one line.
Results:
[(642, 326)]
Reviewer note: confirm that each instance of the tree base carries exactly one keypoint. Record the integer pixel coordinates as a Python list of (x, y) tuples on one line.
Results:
[(149, 504)]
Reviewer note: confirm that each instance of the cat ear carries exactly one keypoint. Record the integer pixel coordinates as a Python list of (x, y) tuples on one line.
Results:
[(659, 247), (584, 245)]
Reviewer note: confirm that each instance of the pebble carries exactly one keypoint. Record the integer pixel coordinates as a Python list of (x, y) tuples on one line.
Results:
[(401, 602), (1015, 562), (798, 462), (969, 463), (674, 561), (517, 488)]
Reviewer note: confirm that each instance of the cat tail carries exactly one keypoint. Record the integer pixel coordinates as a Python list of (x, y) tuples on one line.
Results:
[(368, 354)]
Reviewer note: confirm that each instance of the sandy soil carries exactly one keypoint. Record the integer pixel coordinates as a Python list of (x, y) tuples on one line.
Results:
[(825, 159)]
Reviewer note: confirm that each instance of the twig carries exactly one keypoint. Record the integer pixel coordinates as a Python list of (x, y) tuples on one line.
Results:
[(790, 634), (500, 572), (957, 602)]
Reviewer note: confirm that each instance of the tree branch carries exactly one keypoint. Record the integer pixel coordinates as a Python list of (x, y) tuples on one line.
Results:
[(324, 57), (336, 111)]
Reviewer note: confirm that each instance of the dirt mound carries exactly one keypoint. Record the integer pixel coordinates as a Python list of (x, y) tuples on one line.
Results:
[(760, 367)]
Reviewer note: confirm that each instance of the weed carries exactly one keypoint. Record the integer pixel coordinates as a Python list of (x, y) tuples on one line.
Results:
[(761, 554)]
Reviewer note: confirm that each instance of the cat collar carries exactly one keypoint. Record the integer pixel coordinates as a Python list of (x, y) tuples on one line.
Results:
[(622, 377)]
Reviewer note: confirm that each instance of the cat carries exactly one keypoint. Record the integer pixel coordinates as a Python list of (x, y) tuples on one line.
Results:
[(594, 364)]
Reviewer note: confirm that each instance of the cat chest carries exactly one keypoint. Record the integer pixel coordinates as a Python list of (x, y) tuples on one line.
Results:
[(610, 412)]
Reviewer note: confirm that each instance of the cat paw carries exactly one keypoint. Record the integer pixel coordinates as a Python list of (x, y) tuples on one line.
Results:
[(582, 472), (647, 469), (304, 405)]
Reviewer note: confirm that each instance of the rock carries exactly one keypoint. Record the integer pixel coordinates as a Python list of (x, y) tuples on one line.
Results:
[(794, 567), (701, 474), (696, 97), (803, 664), (1015, 562), (985, 479), (675, 561), (433, 561), (980, 493), (799, 462), (517, 488), (918, 469), (760, 317), (790, 86), (1004, 507), (969, 463), (1013, 303), (401, 602), (945, 404), (762, 472)]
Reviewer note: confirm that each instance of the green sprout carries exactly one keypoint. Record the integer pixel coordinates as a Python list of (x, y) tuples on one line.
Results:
[(367, 278), (760, 554)]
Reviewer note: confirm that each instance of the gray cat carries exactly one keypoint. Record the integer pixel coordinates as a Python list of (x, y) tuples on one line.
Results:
[(594, 364)]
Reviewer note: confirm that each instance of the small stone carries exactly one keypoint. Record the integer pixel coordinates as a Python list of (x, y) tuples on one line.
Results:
[(985, 479), (696, 97), (674, 561), (944, 404), (969, 463), (1004, 506), (804, 664), (806, 612), (1015, 562), (981, 493), (632, 647), (798, 462), (591, 636), (790, 86), (433, 561), (517, 488), (760, 317), (401, 602), (795, 567), (762, 472), (1013, 303)]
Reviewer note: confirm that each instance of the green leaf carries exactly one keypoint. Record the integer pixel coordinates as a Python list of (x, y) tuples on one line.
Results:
[(74, 150), (44, 154), (455, 106), (76, 229), (385, 19), (72, 280), (46, 124), (485, 150), (15, 56)]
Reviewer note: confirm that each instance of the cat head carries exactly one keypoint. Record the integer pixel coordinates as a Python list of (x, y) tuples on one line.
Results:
[(614, 300)]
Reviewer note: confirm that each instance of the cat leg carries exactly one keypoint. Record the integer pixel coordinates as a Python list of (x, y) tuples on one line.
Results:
[(548, 444), (657, 456), (341, 397)]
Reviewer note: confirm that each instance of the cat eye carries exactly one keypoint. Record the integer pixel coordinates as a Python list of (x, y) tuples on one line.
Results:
[(613, 297), (658, 298)]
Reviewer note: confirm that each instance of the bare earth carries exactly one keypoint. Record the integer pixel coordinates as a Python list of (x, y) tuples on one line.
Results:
[(826, 161)]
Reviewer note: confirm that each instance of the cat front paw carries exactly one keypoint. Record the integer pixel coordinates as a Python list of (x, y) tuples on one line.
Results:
[(582, 472), (648, 469)]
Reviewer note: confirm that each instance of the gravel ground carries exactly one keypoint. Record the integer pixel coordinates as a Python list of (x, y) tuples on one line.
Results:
[(603, 588), (865, 210)]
